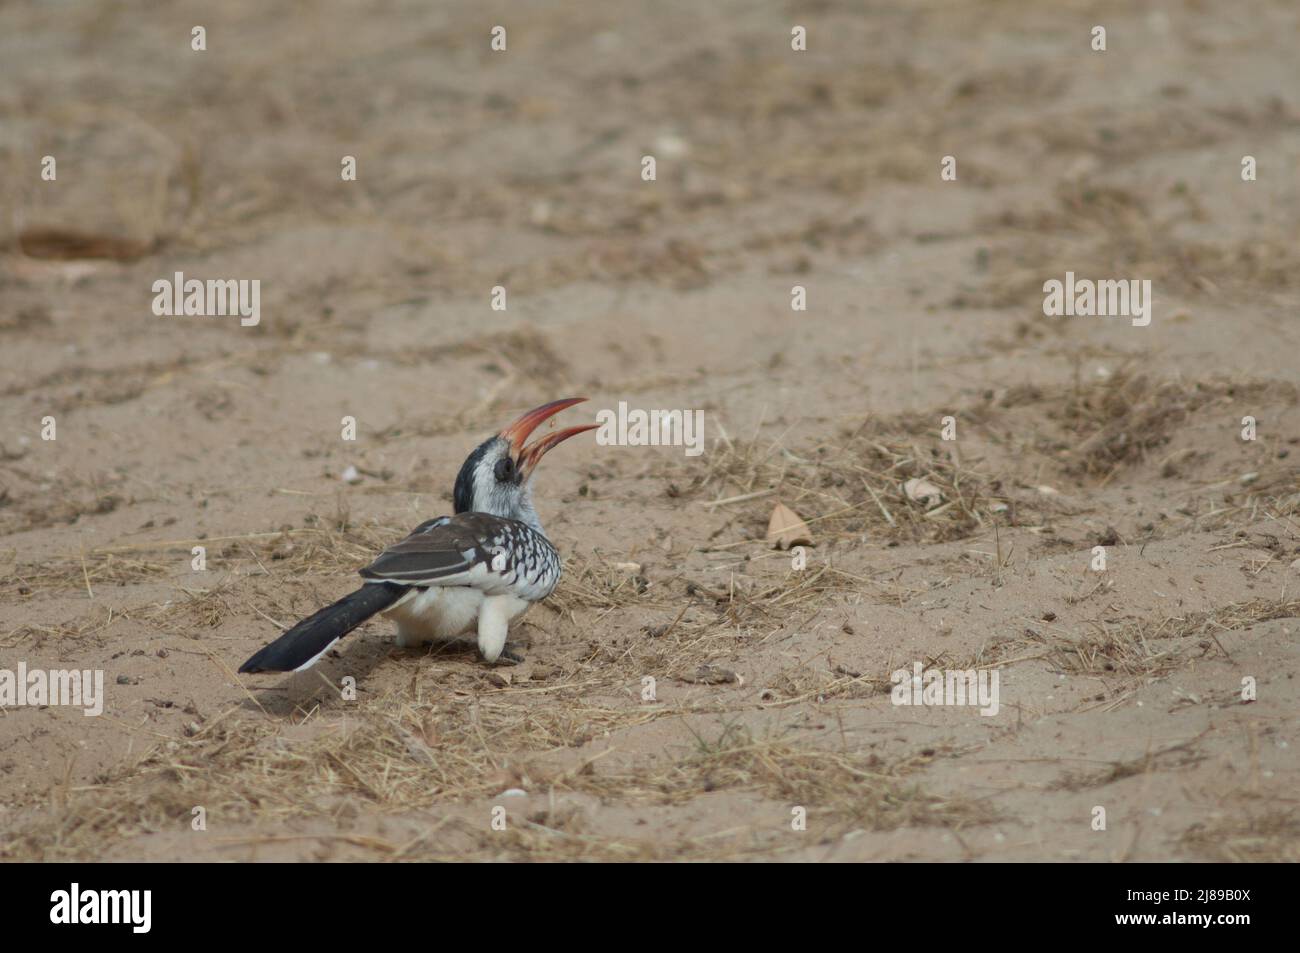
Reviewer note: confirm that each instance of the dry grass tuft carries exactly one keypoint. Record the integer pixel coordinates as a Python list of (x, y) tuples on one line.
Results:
[(1248, 837), (1180, 755), (1147, 648), (1119, 420), (853, 487), (846, 789), (34, 635), (324, 546), (74, 573)]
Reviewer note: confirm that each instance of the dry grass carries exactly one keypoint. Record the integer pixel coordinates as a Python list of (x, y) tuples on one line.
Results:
[(1120, 421), (852, 488), (75, 573), (1104, 425), (1270, 493), (1179, 755), (1249, 836), (33, 636), (1147, 648), (844, 789), (324, 546), (402, 753)]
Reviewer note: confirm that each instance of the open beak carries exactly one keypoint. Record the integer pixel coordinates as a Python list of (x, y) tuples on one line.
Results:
[(519, 431)]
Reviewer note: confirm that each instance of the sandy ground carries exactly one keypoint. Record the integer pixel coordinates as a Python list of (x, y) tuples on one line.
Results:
[(1119, 689)]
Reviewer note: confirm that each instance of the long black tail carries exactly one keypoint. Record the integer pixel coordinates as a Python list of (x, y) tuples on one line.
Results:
[(313, 636)]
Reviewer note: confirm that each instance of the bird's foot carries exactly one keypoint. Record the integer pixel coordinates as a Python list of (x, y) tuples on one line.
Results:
[(507, 657)]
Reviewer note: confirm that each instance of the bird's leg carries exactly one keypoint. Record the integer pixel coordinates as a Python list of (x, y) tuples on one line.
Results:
[(494, 624)]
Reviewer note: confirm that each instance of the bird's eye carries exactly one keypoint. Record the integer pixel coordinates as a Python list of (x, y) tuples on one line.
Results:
[(505, 470)]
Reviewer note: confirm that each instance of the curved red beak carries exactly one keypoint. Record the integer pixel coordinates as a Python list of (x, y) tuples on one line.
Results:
[(528, 456)]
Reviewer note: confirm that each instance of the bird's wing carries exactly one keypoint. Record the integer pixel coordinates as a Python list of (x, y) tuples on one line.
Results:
[(449, 551)]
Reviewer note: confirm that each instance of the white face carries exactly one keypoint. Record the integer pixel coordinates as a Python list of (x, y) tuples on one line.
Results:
[(497, 486)]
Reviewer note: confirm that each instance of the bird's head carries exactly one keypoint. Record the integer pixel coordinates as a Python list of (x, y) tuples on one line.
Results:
[(497, 477)]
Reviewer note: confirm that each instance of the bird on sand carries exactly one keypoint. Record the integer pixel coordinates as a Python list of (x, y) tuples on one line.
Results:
[(478, 569)]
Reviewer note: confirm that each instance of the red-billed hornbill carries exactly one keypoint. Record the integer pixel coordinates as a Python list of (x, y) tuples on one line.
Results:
[(480, 568)]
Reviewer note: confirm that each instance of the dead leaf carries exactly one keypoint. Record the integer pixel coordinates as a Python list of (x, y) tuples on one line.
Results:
[(786, 529), (923, 492)]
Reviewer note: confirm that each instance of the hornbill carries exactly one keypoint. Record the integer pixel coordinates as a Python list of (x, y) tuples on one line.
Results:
[(481, 568)]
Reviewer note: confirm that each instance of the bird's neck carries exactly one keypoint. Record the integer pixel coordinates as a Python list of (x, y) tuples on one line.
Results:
[(527, 515), (514, 506)]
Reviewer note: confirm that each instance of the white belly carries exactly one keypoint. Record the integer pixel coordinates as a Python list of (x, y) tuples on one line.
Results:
[(435, 614)]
